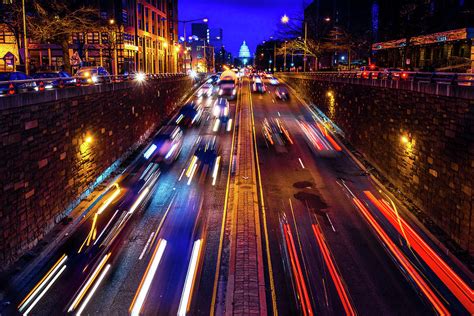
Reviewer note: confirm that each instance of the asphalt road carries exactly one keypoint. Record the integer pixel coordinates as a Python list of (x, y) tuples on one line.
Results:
[(172, 209), (311, 182)]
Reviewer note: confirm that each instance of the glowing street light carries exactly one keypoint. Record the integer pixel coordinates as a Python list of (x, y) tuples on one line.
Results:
[(285, 19)]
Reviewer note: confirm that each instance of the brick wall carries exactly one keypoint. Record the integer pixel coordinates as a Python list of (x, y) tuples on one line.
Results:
[(422, 143), (45, 160)]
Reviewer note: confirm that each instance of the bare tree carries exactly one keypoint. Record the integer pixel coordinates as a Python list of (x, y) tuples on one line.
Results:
[(54, 21)]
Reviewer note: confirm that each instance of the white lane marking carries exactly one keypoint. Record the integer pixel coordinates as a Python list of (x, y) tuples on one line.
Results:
[(146, 246), (330, 222), (301, 163)]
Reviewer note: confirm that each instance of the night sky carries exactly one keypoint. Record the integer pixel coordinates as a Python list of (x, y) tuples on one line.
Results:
[(249, 20)]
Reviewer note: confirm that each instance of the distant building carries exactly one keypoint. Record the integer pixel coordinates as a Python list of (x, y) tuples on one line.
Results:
[(215, 37), (200, 30)]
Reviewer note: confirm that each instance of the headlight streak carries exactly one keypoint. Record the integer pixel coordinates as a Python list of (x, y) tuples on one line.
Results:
[(150, 151), (229, 125), (217, 123), (180, 117), (94, 288), (453, 282), (192, 174), (110, 199), (139, 200), (190, 279), (44, 291), (88, 283), (191, 166), (145, 284), (216, 170), (106, 226), (171, 151), (51, 274)]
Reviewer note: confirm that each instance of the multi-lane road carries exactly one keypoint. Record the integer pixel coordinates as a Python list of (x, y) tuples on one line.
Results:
[(337, 244)]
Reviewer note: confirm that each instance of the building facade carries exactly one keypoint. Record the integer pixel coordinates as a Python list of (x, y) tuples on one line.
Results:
[(134, 35)]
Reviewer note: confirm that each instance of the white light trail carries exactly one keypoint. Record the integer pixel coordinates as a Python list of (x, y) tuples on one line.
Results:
[(216, 170), (148, 277), (44, 291), (94, 288), (149, 151), (139, 200), (190, 277), (301, 163)]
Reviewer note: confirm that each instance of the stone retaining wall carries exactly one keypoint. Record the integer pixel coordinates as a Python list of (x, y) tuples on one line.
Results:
[(54, 145), (422, 143)]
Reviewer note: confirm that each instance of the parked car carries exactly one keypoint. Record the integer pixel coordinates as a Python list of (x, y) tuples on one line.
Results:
[(92, 75), (67, 79), (13, 77)]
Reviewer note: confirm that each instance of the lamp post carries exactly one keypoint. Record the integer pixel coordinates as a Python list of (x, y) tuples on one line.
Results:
[(284, 62), (285, 19), (205, 20)]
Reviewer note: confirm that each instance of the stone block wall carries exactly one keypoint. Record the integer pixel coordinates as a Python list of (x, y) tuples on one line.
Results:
[(54, 145), (422, 143)]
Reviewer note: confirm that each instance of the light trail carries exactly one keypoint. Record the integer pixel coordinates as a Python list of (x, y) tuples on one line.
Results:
[(215, 170), (51, 274), (94, 288), (229, 125), (215, 128), (139, 200), (190, 279), (88, 283), (404, 262), (44, 291), (193, 171), (181, 175), (150, 151), (453, 282), (106, 226), (146, 246), (336, 278), (297, 272), (145, 284), (110, 199)]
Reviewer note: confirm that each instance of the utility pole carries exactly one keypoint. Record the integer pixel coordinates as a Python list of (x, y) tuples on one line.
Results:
[(284, 63), (274, 56)]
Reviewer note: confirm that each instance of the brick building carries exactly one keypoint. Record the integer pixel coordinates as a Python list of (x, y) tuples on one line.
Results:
[(138, 35)]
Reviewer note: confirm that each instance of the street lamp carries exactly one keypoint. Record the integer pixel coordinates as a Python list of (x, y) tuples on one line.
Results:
[(285, 19), (205, 20)]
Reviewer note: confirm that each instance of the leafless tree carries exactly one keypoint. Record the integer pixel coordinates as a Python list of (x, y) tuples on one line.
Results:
[(54, 21)]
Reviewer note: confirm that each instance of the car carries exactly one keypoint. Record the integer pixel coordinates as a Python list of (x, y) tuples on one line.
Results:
[(274, 81), (282, 93), (168, 142), (190, 114), (276, 133), (258, 87), (13, 86), (206, 90), (92, 75), (61, 78), (206, 159), (221, 113), (395, 73)]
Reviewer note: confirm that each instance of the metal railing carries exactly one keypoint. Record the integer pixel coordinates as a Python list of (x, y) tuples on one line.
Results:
[(465, 79), (439, 83), (36, 85)]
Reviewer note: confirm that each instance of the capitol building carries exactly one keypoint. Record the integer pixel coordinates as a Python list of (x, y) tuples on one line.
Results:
[(245, 58)]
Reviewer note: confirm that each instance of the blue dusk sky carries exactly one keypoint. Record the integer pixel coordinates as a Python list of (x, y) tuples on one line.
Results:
[(249, 20)]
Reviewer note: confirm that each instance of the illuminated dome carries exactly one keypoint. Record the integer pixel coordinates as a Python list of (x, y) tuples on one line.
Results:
[(244, 51)]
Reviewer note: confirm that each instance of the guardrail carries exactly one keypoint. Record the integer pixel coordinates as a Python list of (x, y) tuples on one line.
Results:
[(439, 83), (13, 87)]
